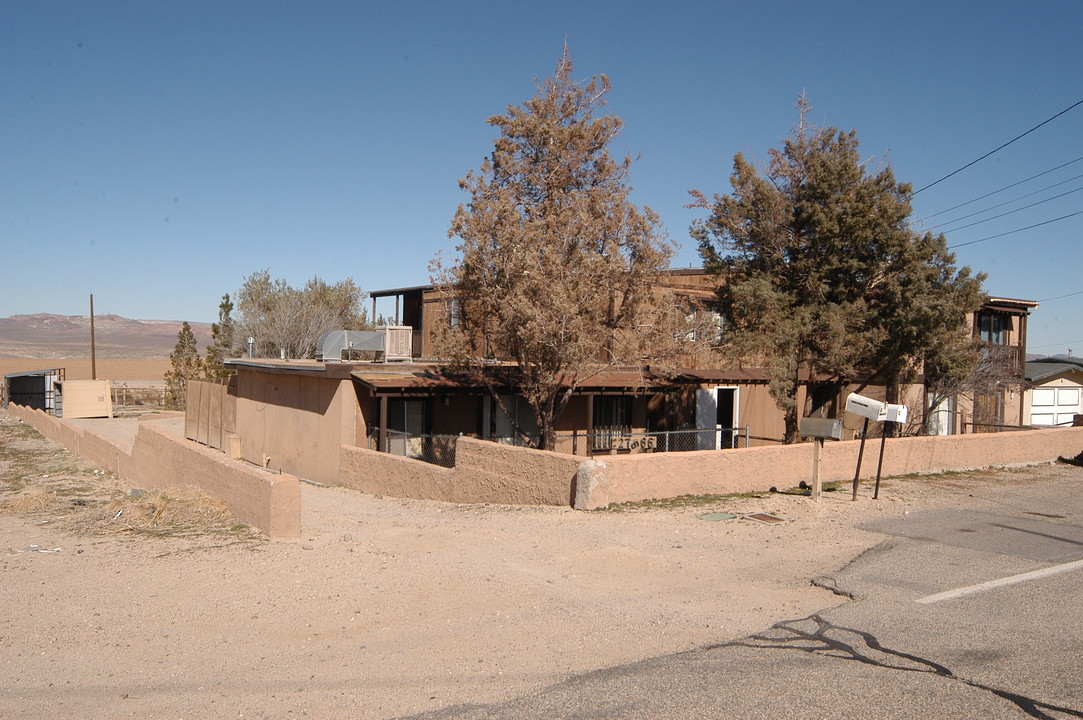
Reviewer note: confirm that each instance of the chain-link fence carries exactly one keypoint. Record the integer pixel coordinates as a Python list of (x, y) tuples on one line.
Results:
[(440, 449), (434, 449), (681, 440)]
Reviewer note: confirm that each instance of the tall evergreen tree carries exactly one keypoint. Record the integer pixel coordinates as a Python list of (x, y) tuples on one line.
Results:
[(185, 364), (821, 273), (222, 342)]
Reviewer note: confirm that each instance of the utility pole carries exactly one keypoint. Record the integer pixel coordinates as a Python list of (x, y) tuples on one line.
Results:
[(93, 358)]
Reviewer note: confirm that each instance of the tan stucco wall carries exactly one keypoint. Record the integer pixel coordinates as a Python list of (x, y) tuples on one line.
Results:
[(629, 478), (296, 423), (484, 472), (268, 501)]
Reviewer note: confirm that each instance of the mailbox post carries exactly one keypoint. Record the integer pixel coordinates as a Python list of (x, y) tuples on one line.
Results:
[(881, 412), (819, 429)]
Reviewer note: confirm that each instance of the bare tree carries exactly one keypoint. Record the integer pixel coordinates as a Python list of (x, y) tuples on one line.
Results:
[(972, 371), (288, 322)]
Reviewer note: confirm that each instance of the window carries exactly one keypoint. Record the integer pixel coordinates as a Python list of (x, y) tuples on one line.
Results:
[(712, 329), (502, 428), (612, 419), (613, 412), (993, 329), (453, 312), (706, 321)]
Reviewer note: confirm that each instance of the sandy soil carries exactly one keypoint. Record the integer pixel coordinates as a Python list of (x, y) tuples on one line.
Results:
[(117, 369), (389, 607)]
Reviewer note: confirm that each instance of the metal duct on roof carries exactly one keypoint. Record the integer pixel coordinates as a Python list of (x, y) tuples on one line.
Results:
[(390, 343), (332, 344)]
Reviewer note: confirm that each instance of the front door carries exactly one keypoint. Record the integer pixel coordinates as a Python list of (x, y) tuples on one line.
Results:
[(716, 418)]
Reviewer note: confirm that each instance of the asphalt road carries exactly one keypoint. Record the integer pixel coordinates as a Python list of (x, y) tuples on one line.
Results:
[(924, 636)]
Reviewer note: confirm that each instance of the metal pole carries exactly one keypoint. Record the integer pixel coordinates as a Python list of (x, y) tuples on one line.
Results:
[(93, 357), (880, 464), (381, 443), (860, 453)]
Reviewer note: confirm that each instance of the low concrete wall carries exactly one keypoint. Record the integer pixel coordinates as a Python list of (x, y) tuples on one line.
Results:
[(627, 478), (484, 472), (102, 453), (268, 501)]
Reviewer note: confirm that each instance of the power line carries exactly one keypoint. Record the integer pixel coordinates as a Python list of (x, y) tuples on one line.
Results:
[(1056, 344), (1012, 232), (1006, 187), (1010, 212), (1018, 137), (1058, 297), (1007, 202)]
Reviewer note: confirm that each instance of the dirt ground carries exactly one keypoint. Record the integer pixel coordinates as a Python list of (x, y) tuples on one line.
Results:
[(116, 369), (389, 607)]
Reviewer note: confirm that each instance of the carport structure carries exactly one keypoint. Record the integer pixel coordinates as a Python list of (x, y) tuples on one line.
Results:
[(34, 389)]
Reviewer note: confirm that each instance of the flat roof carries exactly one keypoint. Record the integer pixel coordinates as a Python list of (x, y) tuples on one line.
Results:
[(399, 291), (1014, 303), (276, 364), (32, 373), (422, 380), (388, 292)]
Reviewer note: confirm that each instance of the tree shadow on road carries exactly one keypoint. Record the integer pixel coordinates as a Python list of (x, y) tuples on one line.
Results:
[(816, 636)]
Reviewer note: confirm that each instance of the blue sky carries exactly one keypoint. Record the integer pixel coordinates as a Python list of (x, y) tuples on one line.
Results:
[(156, 153)]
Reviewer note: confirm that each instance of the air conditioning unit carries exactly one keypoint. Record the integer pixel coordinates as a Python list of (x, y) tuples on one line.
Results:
[(398, 342)]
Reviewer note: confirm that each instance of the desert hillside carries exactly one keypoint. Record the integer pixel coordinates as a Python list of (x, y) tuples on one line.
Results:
[(126, 349), (46, 336)]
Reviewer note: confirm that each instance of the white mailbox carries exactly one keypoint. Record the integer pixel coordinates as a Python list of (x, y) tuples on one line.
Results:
[(875, 410), (863, 406), (893, 413)]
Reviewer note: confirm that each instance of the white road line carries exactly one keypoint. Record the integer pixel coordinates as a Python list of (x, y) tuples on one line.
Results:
[(959, 592)]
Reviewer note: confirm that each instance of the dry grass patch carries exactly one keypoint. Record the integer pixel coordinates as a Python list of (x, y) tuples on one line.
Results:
[(174, 512), (37, 501), (40, 478)]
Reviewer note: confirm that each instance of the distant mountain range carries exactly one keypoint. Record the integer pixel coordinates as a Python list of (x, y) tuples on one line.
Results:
[(68, 336)]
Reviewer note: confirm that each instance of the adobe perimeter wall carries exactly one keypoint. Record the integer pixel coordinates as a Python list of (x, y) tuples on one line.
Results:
[(484, 472), (627, 478), (268, 501)]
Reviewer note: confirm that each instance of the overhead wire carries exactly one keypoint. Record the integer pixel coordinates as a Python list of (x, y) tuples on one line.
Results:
[(998, 149), (1010, 212), (1056, 344), (1006, 187), (1012, 232), (1058, 297), (1007, 202)]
